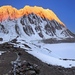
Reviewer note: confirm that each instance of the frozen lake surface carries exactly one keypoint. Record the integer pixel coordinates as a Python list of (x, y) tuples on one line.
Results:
[(62, 50), (50, 53)]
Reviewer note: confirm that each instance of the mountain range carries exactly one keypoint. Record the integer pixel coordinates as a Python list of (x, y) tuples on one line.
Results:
[(33, 23)]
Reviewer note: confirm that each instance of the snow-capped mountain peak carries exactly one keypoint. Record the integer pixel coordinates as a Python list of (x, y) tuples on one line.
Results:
[(33, 26), (9, 11)]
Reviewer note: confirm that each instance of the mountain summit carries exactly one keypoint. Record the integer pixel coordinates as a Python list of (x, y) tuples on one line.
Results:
[(31, 23), (9, 11)]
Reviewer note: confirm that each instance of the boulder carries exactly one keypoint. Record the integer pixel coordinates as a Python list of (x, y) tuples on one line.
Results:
[(1, 39)]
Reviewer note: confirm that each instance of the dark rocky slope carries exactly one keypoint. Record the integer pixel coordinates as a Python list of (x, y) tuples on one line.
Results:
[(45, 69)]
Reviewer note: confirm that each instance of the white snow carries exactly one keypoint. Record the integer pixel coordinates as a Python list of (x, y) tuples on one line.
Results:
[(63, 50), (1, 52), (9, 32)]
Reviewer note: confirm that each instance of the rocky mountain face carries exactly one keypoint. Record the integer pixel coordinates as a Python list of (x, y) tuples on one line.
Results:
[(45, 28), (34, 27)]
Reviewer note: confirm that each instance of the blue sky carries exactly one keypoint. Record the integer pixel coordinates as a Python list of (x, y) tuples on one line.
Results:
[(64, 9)]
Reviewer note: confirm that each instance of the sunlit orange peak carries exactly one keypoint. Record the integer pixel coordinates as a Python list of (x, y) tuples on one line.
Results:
[(9, 11)]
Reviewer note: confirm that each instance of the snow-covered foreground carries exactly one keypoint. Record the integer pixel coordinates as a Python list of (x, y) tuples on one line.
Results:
[(50, 53)]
